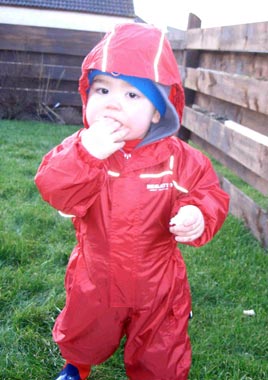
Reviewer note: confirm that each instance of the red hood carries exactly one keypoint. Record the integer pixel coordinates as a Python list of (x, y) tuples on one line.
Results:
[(138, 50)]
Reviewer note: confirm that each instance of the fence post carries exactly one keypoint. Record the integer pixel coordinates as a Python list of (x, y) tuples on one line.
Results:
[(191, 59)]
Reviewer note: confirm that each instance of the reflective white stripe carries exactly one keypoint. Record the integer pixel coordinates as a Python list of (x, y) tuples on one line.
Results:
[(180, 188), (105, 52), (113, 174), (66, 215), (162, 174), (171, 163), (157, 57), (156, 175)]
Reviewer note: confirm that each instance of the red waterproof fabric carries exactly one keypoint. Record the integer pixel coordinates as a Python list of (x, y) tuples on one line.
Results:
[(126, 275)]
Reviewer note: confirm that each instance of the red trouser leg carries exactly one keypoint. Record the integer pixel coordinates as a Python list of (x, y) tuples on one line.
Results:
[(97, 341), (87, 331), (158, 346), (161, 354)]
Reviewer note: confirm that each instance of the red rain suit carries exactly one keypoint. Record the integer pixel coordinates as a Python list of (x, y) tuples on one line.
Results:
[(126, 275)]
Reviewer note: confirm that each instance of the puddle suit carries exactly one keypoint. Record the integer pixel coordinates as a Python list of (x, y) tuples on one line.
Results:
[(126, 276)]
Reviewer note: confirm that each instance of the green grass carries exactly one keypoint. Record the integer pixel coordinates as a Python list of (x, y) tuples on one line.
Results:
[(227, 276)]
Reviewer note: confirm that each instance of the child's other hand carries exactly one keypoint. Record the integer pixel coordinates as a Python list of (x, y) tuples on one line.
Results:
[(188, 224), (104, 137)]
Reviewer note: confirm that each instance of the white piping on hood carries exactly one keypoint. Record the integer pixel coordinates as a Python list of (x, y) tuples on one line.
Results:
[(105, 52), (157, 57)]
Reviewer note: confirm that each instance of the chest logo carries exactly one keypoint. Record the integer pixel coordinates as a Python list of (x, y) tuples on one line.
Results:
[(159, 186)]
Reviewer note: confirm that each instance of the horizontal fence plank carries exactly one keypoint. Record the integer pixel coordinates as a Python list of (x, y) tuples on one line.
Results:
[(239, 170), (241, 90), (39, 39), (252, 65), (40, 58), (65, 98), (14, 83), (244, 208), (241, 38), (239, 143), (28, 70), (228, 111), (177, 44)]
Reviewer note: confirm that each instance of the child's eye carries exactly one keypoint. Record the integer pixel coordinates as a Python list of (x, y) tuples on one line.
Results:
[(102, 90), (98, 88), (133, 95)]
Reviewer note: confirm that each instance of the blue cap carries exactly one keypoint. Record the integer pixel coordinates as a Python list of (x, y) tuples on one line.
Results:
[(144, 85)]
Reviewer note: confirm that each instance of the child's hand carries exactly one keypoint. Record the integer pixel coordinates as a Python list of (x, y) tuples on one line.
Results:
[(188, 224), (104, 137)]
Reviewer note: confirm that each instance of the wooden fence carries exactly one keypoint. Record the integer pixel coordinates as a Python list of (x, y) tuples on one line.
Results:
[(42, 64), (225, 76)]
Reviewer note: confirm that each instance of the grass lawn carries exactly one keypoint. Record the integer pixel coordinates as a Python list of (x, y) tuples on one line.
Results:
[(227, 276)]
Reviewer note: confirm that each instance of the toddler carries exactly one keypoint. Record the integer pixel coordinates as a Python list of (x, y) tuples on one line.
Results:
[(134, 191)]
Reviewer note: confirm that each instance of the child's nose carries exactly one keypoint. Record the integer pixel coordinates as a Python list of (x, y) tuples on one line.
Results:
[(113, 102)]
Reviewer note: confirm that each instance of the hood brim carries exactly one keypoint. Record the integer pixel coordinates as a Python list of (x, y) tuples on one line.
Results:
[(168, 124)]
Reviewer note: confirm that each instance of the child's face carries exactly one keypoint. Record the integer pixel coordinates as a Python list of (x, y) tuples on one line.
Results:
[(118, 100)]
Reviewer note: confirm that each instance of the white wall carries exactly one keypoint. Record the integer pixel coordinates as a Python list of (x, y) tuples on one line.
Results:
[(59, 19)]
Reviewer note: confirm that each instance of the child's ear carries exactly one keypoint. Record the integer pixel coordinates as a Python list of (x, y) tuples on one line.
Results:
[(156, 117)]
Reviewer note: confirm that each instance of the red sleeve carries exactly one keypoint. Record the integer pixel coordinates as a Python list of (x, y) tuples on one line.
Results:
[(196, 174), (69, 178)]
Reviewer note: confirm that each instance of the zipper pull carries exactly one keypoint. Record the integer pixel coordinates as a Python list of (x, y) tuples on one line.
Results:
[(127, 156)]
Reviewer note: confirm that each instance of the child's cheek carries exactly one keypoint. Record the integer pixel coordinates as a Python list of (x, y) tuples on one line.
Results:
[(90, 112)]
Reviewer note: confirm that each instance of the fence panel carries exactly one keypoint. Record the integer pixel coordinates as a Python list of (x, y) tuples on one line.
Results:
[(42, 66), (227, 111)]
